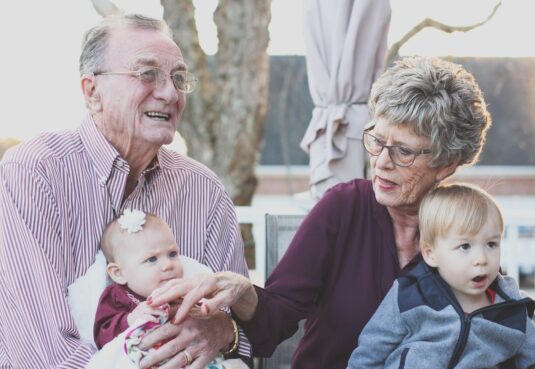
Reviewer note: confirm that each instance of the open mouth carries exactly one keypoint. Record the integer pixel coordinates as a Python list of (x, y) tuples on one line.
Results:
[(158, 115), (479, 278)]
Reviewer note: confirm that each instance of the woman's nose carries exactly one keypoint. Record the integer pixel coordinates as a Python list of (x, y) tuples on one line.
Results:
[(383, 159)]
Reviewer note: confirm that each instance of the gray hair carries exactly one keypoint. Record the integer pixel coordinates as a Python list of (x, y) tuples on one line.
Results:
[(436, 99), (96, 39)]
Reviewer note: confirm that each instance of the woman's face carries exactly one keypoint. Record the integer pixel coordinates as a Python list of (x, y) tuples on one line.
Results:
[(403, 187)]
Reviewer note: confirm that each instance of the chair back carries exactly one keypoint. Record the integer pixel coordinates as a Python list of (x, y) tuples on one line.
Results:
[(280, 230)]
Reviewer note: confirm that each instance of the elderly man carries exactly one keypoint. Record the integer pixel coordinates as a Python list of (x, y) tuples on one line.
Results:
[(59, 190)]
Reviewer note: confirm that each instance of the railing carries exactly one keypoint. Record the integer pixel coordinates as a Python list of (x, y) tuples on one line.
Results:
[(518, 246), (257, 217)]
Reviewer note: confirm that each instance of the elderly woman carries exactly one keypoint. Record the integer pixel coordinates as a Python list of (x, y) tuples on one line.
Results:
[(429, 118)]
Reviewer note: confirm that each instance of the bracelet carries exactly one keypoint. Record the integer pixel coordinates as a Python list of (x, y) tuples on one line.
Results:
[(236, 341)]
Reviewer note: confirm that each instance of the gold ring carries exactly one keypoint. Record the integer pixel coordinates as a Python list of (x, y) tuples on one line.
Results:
[(189, 359)]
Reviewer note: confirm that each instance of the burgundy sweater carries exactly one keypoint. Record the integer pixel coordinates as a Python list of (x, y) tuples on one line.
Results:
[(115, 303), (339, 266)]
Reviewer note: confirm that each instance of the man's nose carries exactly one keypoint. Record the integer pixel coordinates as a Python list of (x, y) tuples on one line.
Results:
[(165, 89)]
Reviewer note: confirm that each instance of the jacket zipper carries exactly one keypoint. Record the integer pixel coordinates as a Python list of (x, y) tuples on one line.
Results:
[(466, 321)]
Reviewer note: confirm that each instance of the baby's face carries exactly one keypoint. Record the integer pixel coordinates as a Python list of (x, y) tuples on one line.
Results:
[(149, 259)]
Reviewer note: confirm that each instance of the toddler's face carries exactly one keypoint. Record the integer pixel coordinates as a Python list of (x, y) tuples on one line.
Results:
[(149, 259), (469, 264)]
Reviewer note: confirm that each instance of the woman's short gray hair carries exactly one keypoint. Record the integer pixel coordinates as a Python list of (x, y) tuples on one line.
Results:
[(437, 99), (95, 40)]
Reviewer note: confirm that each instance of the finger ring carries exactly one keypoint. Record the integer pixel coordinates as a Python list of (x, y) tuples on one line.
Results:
[(189, 359)]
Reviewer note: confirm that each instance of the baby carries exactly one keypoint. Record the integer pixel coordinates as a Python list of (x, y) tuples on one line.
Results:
[(455, 310), (142, 255)]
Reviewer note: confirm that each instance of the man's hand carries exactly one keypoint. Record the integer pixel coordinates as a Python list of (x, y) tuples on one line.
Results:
[(201, 338)]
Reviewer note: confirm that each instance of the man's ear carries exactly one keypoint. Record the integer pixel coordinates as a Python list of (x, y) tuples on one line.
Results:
[(91, 95), (115, 273), (428, 254)]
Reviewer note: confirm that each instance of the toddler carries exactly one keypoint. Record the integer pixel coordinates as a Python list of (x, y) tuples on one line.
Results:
[(455, 310)]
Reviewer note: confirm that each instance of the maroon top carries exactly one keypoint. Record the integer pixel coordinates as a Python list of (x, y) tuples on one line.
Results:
[(115, 303), (339, 266)]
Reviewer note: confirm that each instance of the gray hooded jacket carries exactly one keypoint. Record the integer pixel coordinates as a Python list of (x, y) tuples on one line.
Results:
[(420, 325)]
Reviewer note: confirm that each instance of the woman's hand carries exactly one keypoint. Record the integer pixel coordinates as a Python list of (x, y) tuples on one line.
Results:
[(209, 292)]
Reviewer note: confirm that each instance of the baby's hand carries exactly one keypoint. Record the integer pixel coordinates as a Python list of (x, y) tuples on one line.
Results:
[(145, 312)]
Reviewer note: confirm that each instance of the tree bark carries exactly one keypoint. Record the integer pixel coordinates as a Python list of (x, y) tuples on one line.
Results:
[(223, 123)]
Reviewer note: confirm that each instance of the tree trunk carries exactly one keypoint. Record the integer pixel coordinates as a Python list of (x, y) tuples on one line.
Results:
[(223, 123)]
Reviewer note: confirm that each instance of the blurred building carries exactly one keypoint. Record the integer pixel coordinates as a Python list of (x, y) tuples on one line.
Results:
[(507, 165)]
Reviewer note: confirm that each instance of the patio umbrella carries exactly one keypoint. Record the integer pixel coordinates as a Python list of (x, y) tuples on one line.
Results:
[(345, 52)]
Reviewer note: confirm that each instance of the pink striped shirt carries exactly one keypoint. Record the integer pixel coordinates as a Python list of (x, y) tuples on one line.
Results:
[(57, 193)]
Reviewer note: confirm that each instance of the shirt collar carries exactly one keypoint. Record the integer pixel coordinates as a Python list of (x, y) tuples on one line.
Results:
[(101, 152)]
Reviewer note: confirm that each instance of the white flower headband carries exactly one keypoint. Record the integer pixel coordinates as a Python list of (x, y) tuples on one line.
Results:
[(132, 220)]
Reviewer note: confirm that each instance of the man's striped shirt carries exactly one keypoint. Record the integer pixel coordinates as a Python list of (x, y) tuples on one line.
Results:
[(57, 193)]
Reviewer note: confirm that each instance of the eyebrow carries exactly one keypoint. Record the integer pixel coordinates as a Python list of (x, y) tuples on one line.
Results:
[(396, 142), (151, 62)]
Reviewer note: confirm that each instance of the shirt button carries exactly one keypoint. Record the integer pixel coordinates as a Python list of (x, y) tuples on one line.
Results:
[(119, 164), (102, 180)]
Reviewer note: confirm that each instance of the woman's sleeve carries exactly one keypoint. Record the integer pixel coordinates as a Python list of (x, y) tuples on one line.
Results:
[(37, 329), (293, 288)]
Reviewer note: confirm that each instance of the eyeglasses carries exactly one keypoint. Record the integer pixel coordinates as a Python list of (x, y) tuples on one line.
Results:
[(400, 155), (182, 80)]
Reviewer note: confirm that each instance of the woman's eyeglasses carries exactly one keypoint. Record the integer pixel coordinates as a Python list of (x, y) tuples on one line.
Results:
[(400, 155)]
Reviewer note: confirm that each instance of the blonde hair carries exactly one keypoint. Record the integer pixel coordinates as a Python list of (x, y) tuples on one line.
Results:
[(458, 206), (114, 235)]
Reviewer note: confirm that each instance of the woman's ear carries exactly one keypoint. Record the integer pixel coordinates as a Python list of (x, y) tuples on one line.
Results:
[(428, 254), (91, 95), (115, 273), (447, 171)]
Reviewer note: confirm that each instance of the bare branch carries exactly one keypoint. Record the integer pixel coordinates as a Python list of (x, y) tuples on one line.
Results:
[(393, 52), (106, 8)]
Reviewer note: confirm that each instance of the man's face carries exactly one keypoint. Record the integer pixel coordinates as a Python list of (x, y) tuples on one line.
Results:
[(136, 115)]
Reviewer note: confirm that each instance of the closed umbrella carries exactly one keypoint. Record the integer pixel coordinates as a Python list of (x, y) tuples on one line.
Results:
[(346, 42)]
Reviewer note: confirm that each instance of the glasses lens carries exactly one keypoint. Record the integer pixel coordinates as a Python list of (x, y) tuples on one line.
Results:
[(150, 75), (372, 144), (179, 79), (402, 156), (184, 81)]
